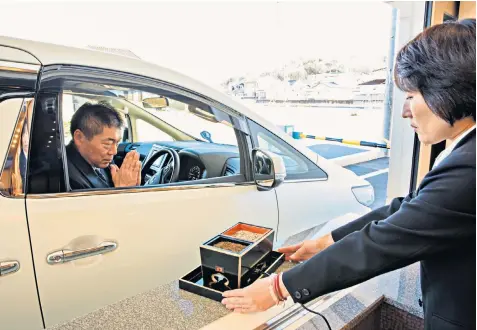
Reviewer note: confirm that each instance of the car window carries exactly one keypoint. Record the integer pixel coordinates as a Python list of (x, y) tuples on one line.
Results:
[(13, 174), (156, 117), (297, 165), (70, 102), (46, 173), (194, 120), (147, 132)]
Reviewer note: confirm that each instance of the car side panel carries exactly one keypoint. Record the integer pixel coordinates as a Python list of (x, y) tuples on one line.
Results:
[(305, 205), (158, 235)]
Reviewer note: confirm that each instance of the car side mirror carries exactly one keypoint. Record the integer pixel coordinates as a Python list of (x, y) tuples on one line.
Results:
[(268, 169)]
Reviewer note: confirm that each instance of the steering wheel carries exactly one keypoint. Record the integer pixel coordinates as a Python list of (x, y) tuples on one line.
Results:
[(168, 173)]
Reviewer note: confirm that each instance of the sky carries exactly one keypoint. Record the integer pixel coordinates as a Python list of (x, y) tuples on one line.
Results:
[(210, 41)]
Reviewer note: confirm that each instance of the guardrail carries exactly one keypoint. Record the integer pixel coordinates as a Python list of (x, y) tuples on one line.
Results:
[(300, 135)]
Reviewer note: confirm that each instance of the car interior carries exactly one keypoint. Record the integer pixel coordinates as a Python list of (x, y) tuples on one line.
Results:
[(183, 156)]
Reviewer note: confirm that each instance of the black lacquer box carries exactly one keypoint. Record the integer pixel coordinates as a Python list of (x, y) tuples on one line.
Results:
[(233, 259)]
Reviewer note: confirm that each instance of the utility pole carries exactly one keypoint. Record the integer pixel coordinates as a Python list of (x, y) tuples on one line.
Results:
[(388, 95)]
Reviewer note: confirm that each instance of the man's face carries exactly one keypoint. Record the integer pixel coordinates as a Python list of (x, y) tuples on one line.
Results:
[(100, 150)]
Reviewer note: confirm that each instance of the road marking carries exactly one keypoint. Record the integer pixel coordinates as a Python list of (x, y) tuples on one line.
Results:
[(386, 170)]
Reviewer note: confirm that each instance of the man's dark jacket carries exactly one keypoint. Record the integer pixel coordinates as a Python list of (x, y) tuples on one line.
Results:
[(435, 225), (81, 173)]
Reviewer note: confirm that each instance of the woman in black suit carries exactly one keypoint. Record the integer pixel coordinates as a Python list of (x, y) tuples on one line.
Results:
[(434, 225)]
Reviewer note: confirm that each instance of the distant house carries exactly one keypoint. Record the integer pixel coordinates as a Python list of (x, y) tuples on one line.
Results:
[(245, 88), (330, 90), (270, 88), (369, 92), (250, 88)]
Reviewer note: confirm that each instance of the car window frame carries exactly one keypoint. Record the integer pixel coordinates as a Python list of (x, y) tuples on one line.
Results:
[(12, 147), (18, 80), (291, 177), (51, 72)]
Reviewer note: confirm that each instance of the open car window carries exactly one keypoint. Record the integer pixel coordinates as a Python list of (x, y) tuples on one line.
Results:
[(159, 116), (206, 137)]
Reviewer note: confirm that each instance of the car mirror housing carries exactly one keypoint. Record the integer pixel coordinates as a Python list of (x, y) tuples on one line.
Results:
[(156, 102), (268, 169)]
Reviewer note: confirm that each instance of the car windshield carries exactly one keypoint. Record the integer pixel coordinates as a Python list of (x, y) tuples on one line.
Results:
[(202, 122)]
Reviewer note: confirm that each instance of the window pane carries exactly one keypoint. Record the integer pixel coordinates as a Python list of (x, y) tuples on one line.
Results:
[(297, 165), (13, 175), (147, 132), (198, 120), (46, 173)]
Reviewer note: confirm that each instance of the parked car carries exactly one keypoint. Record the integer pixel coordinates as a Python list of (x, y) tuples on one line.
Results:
[(65, 253)]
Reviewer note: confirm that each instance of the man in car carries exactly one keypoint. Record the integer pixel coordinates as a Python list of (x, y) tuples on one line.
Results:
[(96, 132)]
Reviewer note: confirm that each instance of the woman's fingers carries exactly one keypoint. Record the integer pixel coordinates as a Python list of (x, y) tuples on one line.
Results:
[(299, 255), (233, 293), (243, 310), (232, 301), (290, 248)]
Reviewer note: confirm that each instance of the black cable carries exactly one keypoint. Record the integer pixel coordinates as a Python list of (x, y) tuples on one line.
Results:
[(309, 310), (317, 313)]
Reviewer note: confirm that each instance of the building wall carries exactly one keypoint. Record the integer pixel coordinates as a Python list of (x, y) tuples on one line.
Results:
[(410, 21), (439, 8), (467, 9)]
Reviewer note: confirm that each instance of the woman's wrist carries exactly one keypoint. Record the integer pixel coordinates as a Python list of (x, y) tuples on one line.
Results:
[(283, 288), (324, 241), (329, 240)]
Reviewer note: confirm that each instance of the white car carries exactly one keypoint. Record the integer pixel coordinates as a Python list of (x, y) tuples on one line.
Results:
[(65, 253)]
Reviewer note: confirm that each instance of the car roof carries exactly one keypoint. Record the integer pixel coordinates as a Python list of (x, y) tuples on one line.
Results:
[(51, 54)]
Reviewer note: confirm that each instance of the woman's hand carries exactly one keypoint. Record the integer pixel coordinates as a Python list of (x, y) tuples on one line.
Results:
[(254, 298), (306, 249)]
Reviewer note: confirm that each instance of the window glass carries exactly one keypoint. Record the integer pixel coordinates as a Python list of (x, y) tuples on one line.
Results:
[(13, 175), (297, 165), (196, 119), (147, 132), (45, 170)]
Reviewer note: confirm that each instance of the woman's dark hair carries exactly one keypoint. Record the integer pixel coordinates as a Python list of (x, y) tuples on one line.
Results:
[(92, 118), (440, 64)]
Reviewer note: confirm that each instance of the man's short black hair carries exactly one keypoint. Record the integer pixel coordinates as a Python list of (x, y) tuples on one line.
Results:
[(92, 118), (440, 64)]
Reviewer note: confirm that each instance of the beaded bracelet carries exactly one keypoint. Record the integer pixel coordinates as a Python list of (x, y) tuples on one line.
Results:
[(276, 285), (279, 291)]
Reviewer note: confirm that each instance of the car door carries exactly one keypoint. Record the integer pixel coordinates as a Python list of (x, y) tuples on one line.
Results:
[(137, 238), (20, 308), (310, 196)]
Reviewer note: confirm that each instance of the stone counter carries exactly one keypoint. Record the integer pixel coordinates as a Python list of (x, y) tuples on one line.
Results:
[(166, 307)]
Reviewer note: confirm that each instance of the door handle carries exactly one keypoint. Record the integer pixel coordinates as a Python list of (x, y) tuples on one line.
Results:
[(9, 267), (62, 256)]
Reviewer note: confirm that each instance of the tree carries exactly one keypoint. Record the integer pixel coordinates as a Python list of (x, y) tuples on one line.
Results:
[(277, 74), (313, 66), (297, 74)]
